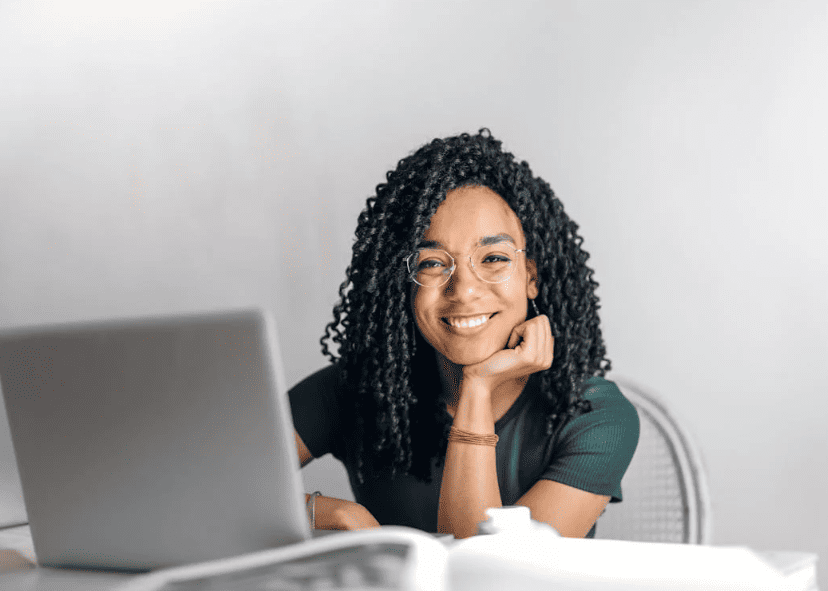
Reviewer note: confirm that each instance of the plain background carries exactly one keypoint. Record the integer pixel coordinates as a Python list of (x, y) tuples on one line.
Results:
[(192, 156)]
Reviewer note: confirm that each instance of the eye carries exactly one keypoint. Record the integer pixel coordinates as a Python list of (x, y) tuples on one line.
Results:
[(496, 258), (430, 264)]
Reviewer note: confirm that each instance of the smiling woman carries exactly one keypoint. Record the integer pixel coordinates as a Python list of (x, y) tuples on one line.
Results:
[(447, 396)]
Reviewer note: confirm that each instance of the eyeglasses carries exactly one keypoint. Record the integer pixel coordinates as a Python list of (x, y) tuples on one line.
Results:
[(492, 263)]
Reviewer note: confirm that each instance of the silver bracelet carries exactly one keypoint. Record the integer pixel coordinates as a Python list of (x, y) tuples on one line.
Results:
[(311, 509)]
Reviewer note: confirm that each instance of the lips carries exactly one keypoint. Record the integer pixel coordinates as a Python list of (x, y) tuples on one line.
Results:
[(467, 321)]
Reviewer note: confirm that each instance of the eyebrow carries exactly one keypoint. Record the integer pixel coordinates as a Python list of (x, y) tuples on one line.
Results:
[(484, 241)]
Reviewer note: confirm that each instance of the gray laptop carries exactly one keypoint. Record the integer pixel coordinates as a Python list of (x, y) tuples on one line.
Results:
[(153, 442)]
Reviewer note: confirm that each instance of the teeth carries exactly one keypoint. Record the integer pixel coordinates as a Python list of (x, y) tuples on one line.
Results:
[(468, 322)]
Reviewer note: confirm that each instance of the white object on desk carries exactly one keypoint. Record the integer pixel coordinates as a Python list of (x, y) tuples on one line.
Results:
[(512, 519), (330, 562), (502, 519), (535, 560)]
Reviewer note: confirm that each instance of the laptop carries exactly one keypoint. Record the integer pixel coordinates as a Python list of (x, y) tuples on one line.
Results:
[(151, 442)]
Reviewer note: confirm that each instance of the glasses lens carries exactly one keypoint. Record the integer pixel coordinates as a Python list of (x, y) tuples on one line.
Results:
[(494, 263), (430, 267)]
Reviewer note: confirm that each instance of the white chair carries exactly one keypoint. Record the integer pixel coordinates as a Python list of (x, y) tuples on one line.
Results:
[(665, 490)]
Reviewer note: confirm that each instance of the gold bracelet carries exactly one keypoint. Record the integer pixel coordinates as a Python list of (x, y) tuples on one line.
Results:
[(461, 436)]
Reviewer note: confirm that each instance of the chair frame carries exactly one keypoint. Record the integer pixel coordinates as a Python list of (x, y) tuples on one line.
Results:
[(686, 456)]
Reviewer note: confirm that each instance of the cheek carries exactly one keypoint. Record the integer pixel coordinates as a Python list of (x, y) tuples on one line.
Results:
[(515, 306), (419, 307), (512, 292)]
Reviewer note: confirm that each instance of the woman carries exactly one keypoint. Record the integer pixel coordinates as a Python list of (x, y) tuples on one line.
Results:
[(470, 358)]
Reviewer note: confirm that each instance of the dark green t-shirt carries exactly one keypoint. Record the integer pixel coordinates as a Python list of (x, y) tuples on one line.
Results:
[(590, 452)]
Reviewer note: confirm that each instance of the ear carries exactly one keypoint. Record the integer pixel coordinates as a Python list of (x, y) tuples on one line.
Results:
[(531, 279)]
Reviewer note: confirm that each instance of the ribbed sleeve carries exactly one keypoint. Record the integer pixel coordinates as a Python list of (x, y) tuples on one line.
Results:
[(593, 451)]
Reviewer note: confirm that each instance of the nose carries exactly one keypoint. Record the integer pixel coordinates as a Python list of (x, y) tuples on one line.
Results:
[(464, 281)]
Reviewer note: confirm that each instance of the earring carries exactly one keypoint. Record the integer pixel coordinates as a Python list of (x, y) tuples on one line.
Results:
[(534, 307)]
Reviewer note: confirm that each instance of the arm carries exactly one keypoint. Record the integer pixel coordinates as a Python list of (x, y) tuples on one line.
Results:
[(569, 510), (597, 446), (314, 404), (334, 513), (469, 474), (302, 450), (470, 484)]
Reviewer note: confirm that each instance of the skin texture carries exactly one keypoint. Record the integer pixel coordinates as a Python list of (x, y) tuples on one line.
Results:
[(483, 370)]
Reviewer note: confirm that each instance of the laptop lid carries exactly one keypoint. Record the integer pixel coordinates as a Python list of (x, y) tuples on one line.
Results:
[(12, 509), (152, 442)]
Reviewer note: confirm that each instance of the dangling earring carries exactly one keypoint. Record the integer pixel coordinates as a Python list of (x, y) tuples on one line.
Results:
[(534, 307)]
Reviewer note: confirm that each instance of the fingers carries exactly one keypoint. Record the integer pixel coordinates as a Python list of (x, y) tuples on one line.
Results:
[(533, 340), (530, 348), (514, 337)]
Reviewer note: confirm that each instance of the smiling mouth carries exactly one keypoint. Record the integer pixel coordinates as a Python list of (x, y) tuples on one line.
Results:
[(467, 321)]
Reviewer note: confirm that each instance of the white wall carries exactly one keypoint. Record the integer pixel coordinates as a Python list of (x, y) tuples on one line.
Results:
[(175, 158)]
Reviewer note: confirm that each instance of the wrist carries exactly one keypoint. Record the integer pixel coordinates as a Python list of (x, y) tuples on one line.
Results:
[(474, 413), (475, 388), (349, 515), (310, 508)]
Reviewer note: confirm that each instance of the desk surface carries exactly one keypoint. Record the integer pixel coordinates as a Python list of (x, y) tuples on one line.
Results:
[(18, 571)]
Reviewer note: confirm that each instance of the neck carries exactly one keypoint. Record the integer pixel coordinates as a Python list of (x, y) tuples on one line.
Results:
[(451, 376)]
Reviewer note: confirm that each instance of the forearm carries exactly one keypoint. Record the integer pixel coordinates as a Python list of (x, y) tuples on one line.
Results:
[(332, 513), (469, 485)]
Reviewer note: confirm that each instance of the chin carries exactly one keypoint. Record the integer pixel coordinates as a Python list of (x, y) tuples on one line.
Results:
[(470, 355), (465, 359), (467, 351)]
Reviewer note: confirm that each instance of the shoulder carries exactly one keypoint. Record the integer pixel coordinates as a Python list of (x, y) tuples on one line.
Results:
[(594, 449), (324, 387), (606, 397), (325, 379), (317, 413), (612, 415)]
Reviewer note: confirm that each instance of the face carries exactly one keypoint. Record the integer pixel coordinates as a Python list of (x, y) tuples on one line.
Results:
[(490, 310)]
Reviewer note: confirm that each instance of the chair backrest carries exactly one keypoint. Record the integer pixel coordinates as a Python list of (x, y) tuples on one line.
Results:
[(665, 490)]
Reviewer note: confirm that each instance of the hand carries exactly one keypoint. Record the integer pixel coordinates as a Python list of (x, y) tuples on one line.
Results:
[(341, 515), (530, 349)]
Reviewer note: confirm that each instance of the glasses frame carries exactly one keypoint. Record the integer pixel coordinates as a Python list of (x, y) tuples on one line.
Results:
[(450, 271)]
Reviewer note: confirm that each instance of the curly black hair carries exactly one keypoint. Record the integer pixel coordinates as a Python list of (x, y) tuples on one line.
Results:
[(384, 360)]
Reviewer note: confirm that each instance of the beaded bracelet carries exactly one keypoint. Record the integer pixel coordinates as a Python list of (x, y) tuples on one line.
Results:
[(310, 508), (461, 436)]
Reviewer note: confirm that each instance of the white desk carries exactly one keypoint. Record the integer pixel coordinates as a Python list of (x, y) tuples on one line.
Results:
[(18, 571)]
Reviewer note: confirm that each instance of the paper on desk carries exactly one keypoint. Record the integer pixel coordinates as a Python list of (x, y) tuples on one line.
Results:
[(534, 561)]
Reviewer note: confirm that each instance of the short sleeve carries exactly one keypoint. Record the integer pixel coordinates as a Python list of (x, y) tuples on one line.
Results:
[(316, 413), (593, 450)]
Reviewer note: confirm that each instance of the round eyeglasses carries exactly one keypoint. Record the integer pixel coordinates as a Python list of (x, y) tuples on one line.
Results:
[(432, 267)]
